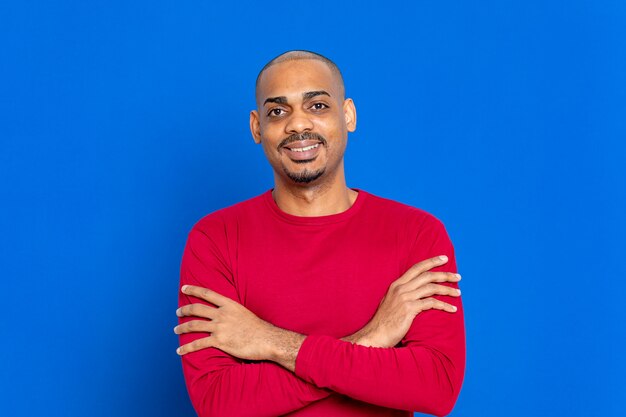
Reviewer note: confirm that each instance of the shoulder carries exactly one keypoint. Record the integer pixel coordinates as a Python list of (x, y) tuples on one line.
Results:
[(225, 218), (411, 217), (418, 234)]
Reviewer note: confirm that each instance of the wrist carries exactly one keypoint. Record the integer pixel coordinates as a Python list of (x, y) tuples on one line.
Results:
[(363, 337), (368, 340), (372, 335), (283, 347)]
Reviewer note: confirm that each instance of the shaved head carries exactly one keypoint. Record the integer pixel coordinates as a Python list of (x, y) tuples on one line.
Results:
[(298, 55)]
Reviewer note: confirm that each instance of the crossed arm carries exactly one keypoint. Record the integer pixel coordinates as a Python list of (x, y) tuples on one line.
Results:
[(420, 375), (237, 331)]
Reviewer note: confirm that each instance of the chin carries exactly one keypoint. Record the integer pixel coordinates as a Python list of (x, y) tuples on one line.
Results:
[(305, 176)]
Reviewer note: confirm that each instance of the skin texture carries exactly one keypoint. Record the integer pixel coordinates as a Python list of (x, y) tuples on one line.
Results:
[(300, 102), (330, 116)]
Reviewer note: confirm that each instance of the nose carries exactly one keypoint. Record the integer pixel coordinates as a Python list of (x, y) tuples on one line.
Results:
[(298, 123)]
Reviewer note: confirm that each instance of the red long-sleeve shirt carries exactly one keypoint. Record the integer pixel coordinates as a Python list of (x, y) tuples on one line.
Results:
[(323, 277)]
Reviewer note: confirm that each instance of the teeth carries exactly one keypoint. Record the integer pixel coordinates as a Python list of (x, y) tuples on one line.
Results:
[(306, 148)]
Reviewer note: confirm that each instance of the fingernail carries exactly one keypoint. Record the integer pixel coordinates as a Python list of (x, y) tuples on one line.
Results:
[(454, 308), (443, 257), (176, 329), (178, 312), (184, 288), (178, 350), (458, 276), (459, 291)]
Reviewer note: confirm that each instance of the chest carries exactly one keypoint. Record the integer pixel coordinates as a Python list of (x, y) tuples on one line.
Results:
[(316, 281)]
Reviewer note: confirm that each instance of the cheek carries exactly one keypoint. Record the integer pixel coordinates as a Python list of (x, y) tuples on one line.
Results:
[(332, 128), (269, 130), (269, 150)]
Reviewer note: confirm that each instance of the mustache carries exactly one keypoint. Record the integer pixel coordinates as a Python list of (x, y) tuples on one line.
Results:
[(298, 137)]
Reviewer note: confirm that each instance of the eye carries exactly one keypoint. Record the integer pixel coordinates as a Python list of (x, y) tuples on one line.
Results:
[(276, 112), (319, 106)]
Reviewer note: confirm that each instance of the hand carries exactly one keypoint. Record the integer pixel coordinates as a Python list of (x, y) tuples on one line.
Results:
[(235, 330), (408, 296)]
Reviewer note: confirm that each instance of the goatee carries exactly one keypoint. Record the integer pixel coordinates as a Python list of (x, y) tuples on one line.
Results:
[(304, 177)]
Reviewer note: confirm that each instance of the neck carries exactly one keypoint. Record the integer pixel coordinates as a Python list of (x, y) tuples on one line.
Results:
[(326, 198)]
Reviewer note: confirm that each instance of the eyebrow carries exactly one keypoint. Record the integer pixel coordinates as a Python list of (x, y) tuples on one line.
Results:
[(279, 100), (309, 95), (306, 96)]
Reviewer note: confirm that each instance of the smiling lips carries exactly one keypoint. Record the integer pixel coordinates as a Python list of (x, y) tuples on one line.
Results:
[(302, 150)]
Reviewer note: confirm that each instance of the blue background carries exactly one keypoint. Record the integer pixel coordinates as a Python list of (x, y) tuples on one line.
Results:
[(123, 123)]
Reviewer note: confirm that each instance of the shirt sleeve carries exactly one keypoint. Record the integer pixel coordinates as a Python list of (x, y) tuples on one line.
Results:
[(218, 383), (423, 374)]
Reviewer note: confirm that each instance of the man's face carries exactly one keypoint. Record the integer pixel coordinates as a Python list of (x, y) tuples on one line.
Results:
[(302, 120)]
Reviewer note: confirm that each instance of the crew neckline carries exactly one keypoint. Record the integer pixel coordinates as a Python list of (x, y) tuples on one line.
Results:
[(316, 220)]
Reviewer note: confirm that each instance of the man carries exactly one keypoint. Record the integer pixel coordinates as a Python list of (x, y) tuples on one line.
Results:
[(313, 298)]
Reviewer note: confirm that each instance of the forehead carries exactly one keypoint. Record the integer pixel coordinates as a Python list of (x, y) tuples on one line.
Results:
[(292, 78)]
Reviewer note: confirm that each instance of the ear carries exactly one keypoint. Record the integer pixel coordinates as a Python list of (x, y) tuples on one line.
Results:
[(349, 112), (255, 126)]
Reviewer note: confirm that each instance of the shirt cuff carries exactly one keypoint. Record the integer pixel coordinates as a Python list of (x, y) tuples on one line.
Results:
[(310, 357)]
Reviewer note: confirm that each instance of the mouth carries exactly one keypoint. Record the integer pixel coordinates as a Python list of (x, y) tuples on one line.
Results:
[(302, 151)]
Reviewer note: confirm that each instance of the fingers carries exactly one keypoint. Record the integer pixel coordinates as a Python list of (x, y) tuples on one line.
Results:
[(421, 267), (430, 277), (205, 294), (430, 290), (202, 311), (198, 344), (195, 326), (433, 304), (197, 310)]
